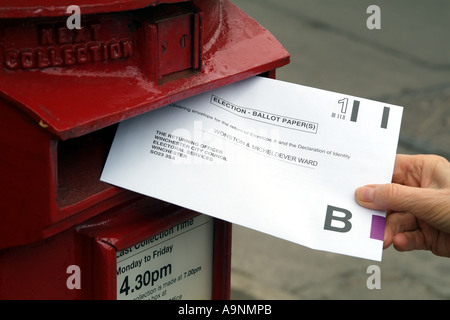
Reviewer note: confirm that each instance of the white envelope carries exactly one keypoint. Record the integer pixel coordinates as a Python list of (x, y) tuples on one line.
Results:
[(273, 156)]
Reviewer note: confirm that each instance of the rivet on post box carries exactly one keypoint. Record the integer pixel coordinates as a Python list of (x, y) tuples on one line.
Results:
[(62, 93)]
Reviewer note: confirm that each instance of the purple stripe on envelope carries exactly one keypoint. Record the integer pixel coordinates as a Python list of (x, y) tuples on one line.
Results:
[(377, 228)]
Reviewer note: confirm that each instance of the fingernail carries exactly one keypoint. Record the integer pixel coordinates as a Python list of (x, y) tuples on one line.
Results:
[(365, 194)]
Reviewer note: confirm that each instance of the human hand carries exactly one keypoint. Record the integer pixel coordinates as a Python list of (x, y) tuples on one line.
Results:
[(417, 203)]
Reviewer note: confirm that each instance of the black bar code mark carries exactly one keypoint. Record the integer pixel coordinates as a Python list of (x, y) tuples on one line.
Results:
[(355, 110), (385, 117)]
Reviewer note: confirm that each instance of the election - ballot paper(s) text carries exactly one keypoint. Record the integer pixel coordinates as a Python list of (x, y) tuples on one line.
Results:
[(277, 157)]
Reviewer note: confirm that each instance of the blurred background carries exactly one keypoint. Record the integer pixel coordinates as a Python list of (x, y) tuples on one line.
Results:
[(407, 63)]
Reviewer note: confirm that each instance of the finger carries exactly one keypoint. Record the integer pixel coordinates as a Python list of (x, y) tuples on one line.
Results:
[(398, 222), (418, 170), (410, 240), (402, 168), (408, 169)]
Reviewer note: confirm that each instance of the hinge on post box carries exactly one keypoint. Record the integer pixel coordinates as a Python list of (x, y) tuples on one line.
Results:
[(170, 45)]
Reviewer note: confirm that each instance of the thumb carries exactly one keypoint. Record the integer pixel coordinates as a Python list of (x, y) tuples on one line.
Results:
[(396, 197), (428, 204)]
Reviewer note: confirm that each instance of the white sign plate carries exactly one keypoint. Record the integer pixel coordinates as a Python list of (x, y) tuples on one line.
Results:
[(174, 264)]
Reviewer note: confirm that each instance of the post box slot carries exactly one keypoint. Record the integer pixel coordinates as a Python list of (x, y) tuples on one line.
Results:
[(80, 163)]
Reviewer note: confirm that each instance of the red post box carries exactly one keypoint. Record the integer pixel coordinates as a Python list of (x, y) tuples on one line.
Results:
[(62, 93)]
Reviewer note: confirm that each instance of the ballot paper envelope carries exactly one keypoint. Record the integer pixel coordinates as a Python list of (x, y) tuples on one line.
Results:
[(273, 156)]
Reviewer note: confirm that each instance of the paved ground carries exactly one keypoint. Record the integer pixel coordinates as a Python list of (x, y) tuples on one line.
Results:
[(406, 62)]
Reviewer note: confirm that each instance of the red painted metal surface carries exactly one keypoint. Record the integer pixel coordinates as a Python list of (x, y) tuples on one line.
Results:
[(52, 8), (78, 98), (62, 91), (39, 271), (62, 94)]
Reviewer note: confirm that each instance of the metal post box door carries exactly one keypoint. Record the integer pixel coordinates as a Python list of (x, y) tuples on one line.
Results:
[(144, 253)]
